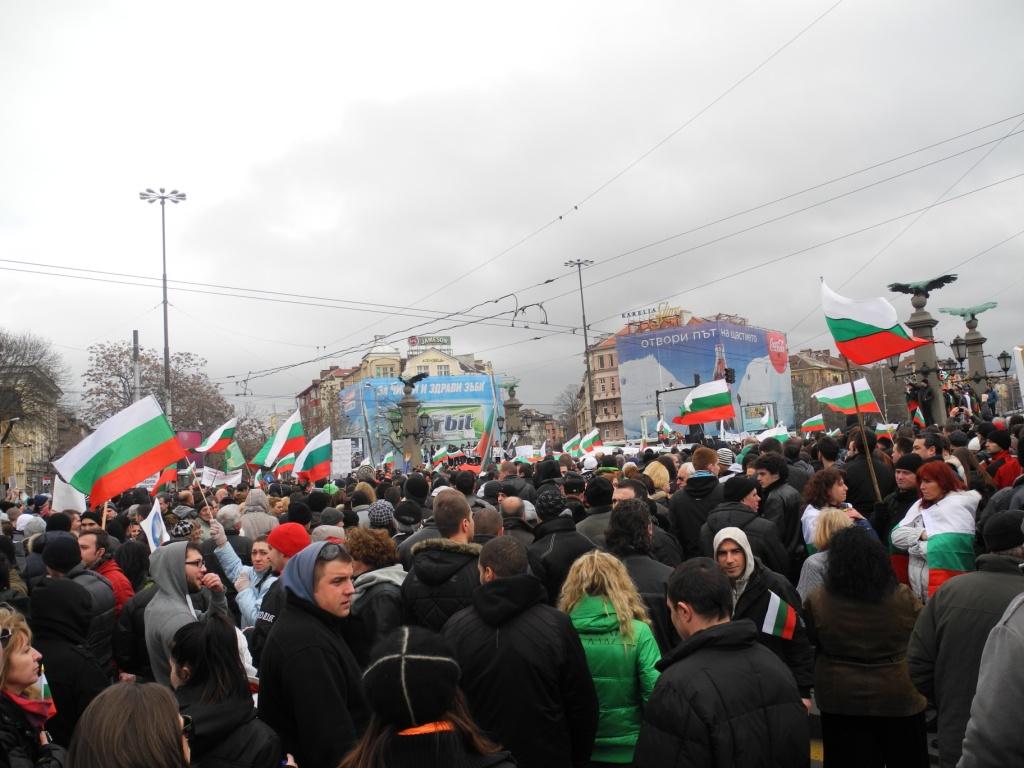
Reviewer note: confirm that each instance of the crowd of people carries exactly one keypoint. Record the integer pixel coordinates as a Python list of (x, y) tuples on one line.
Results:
[(690, 606)]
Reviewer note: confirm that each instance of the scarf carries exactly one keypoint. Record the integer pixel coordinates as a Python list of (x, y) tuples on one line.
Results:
[(36, 711)]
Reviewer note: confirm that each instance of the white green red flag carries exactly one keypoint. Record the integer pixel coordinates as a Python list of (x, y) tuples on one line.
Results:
[(124, 450), (865, 330), (591, 441), (834, 432), (572, 445), (482, 450), (780, 619), (389, 459), (221, 438), (707, 402), (285, 464), (918, 418), (163, 483), (814, 424), (951, 528), (886, 430), (839, 398), (289, 438), (664, 430), (460, 454), (314, 461), (233, 458), (44, 685), (441, 454), (780, 433)]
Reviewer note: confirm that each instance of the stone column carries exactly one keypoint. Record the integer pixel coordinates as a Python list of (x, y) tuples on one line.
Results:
[(409, 406), (975, 355), (922, 323), (512, 421)]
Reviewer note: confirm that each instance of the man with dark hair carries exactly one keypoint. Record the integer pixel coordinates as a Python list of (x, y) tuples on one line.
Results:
[(860, 492), (524, 672), (665, 549), (945, 649), (690, 506), (927, 445), (598, 497), (1002, 467), (722, 698), (443, 575), (782, 505), (97, 556), (573, 487), (417, 491), (894, 506), (799, 470), (828, 452), (630, 538), (464, 482), (901, 446), (556, 543), (740, 503)]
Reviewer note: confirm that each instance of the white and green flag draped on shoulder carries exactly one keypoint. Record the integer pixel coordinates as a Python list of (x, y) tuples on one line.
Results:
[(123, 451)]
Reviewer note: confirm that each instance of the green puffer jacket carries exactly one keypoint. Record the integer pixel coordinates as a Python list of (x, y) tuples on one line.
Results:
[(624, 676)]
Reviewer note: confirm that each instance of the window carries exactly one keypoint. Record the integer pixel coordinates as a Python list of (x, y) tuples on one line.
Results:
[(444, 370), (422, 369), (600, 361)]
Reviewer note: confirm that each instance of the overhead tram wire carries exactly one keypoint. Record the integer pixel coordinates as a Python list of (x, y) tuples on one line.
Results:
[(629, 166)]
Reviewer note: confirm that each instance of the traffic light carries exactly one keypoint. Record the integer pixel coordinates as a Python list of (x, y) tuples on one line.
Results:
[(730, 375)]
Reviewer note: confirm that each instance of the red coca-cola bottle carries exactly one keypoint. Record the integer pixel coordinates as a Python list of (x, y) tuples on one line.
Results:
[(719, 362)]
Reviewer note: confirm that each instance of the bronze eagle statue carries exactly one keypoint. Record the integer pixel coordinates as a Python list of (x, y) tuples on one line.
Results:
[(922, 287), (969, 313)]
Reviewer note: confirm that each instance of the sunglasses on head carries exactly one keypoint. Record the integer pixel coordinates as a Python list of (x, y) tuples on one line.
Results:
[(330, 552), (5, 637)]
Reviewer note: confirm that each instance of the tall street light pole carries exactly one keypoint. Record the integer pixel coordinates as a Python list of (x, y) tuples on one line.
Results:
[(580, 264), (151, 196)]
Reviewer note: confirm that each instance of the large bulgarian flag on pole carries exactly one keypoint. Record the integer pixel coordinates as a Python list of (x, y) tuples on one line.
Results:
[(124, 450), (483, 446), (572, 445), (707, 402), (865, 330), (289, 438), (220, 439), (591, 441), (814, 424), (839, 398), (314, 462)]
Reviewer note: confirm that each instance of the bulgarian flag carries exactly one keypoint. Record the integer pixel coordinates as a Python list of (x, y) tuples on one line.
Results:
[(440, 455), (233, 458), (484, 444), (591, 440), (780, 619), (314, 462), (572, 445), (389, 459), (289, 438), (839, 398), (664, 430), (460, 454), (285, 464), (221, 438), (950, 527), (865, 330), (834, 432), (780, 433), (814, 424), (885, 430), (124, 450), (767, 420), (707, 402), (918, 418), (163, 482)]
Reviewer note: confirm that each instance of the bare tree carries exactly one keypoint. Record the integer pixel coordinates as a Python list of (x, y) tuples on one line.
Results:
[(567, 405), (32, 375)]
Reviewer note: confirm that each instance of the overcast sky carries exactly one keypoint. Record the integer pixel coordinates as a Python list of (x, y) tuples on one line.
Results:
[(379, 152)]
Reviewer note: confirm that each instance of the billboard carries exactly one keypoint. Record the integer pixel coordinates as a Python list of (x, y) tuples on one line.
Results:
[(458, 407), (670, 357)]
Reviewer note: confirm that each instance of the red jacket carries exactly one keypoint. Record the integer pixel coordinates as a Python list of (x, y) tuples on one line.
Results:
[(123, 590), (1008, 472)]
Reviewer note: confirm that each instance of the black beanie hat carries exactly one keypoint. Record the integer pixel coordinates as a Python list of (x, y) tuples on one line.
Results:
[(1001, 438), (318, 501), (412, 677), (550, 504), (58, 521), (1003, 530), (738, 488), (61, 552), (909, 462), (299, 512), (416, 486)]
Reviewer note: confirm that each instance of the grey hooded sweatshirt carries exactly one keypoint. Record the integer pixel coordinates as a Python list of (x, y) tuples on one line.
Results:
[(171, 608), (256, 518)]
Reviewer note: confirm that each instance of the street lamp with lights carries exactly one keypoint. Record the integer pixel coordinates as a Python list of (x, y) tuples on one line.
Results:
[(580, 264), (1004, 362), (151, 196)]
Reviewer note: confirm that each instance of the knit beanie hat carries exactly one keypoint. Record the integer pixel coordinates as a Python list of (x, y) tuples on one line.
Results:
[(317, 501), (299, 513), (288, 538), (381, 514), (58, 521), (412, 678), (1001, 438), (738, 488), (330, 516), (550, 504), (958, 439), (181, 529), (61, 551), (416, 486), (1003, 531), (366, 474), (909, 462), (409, 513), (726, 457)]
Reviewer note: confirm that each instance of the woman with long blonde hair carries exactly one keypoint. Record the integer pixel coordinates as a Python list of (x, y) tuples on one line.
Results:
[(610, 618)]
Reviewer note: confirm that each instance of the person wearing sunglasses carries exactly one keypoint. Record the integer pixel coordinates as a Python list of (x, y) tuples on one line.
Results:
[(179, 572), (23, 715), (311, 689)]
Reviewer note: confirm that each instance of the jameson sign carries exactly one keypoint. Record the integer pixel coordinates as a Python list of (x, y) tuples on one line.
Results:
[(430, 341)]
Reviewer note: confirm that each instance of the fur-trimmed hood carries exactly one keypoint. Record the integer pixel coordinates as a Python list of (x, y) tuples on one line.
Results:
[(437, 560)]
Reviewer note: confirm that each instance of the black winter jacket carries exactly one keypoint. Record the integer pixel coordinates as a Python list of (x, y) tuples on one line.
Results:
[(798, 653), (723, 701), (311, 688), (101, 626), (228, 734), (782, 505), (270, 608), (518, 529), (19, 741), (861, 492), (428, 531), (440, 582), (762, 534), (376, 609), (130, 650), (525, 674), (60, 620), (893, 508), (555, 548), (689, 508), (651, 579)]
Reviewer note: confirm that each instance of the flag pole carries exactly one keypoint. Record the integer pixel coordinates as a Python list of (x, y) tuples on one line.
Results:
[(103, 521), (863, 433)]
